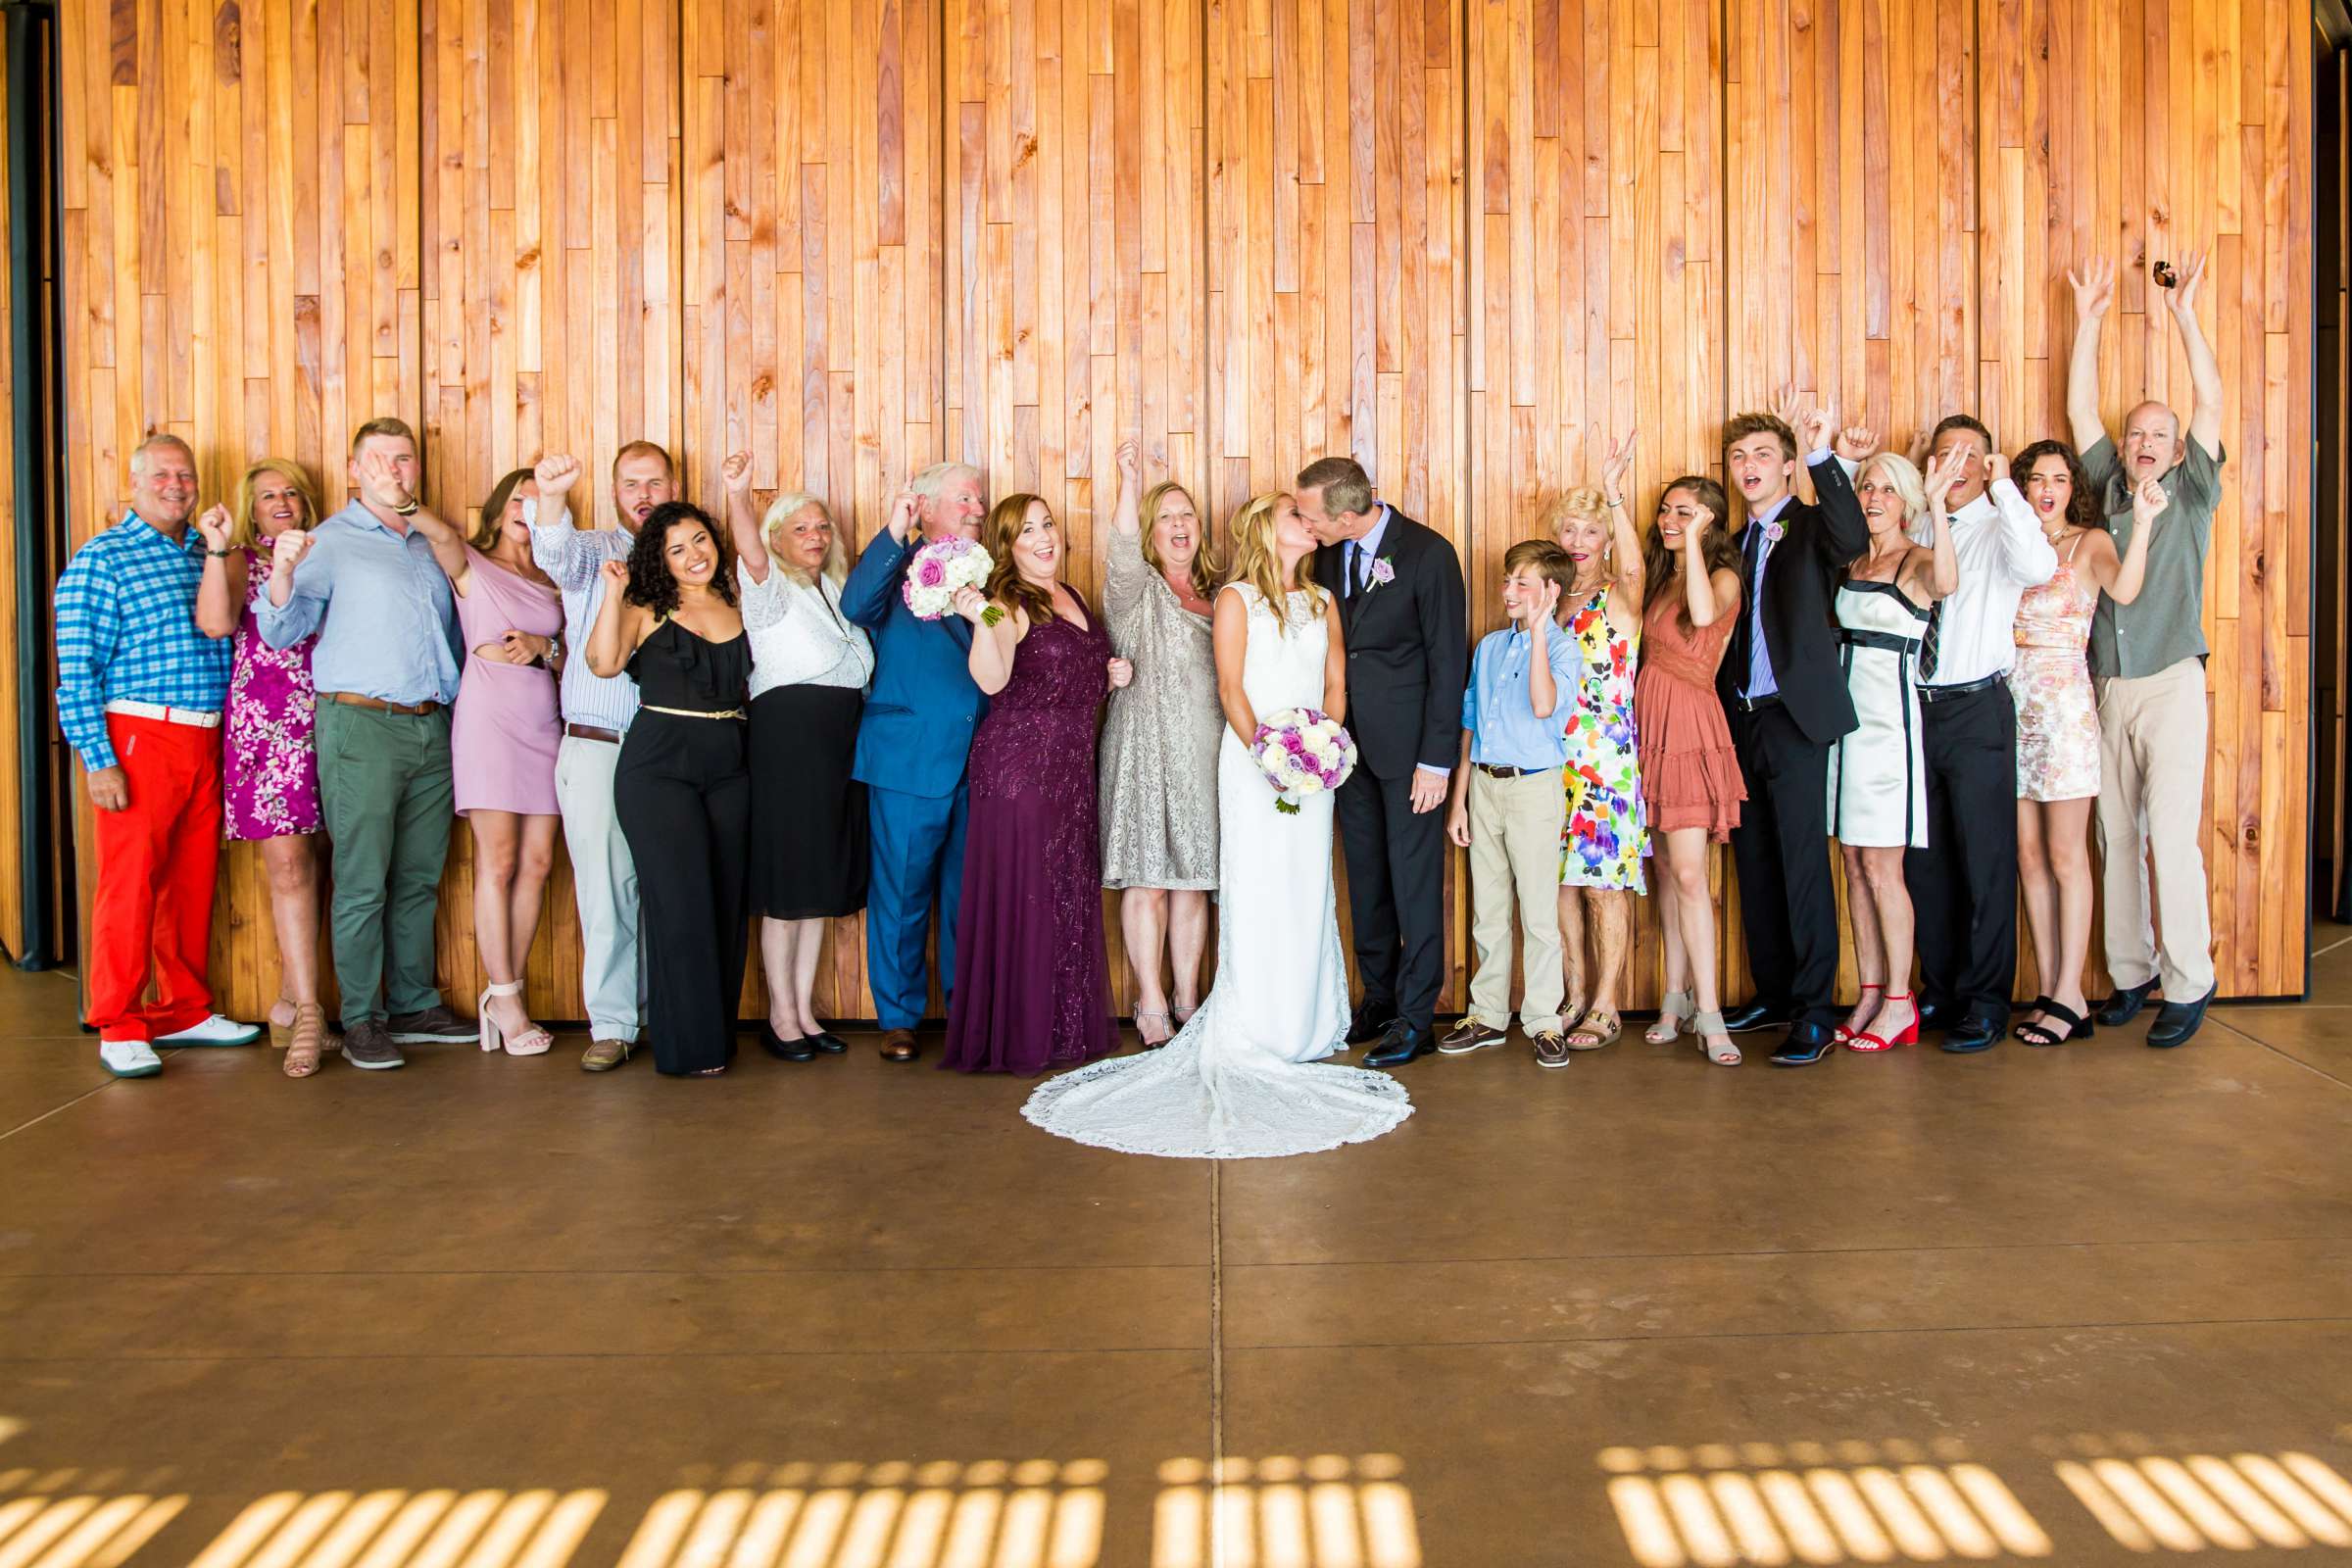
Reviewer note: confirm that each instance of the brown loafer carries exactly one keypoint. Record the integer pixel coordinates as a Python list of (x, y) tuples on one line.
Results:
[(603, 1055), (899, 1045), (1550, 1050), (1470, 1035)]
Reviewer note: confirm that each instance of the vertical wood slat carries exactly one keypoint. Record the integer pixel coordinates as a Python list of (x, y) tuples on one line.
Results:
[(1463, 239)]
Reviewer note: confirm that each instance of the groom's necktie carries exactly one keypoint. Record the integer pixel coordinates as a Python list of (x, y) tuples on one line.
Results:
[(1347, 585)]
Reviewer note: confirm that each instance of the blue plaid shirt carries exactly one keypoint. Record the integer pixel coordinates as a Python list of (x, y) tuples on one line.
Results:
[(126, 632)]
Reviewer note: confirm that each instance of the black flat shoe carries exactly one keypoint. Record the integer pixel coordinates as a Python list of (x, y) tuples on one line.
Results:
[(2175, 1021), (1369, 1023), (1756, 1016), (1972, 1035), (1399, 1043), (785, 1049), (1807, 1043), (2123, 1007), (831, 1043)]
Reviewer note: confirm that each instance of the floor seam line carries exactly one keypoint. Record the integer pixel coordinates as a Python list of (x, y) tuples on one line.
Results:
[(1216, 1365), (2282, 1056), (56, 1110)]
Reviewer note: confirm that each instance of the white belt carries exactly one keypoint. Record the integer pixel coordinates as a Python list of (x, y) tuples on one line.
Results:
[(170, 716)]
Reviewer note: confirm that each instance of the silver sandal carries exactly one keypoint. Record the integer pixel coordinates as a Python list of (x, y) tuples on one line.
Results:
[(1704, 1024), (1676, 1005)]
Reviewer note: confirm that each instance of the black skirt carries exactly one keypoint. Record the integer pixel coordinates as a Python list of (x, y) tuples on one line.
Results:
[(808, 837)]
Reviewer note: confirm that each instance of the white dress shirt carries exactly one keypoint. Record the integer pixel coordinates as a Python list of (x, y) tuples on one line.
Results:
[(575, 559), (2002, 552), (799, 634)]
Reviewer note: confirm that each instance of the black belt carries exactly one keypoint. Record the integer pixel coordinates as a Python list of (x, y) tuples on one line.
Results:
[(1497, 770), (1936, 693), (1884, 641), (1751, 705)]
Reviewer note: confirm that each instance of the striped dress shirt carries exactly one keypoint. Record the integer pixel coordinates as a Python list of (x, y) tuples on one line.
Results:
[(126, 632), (574, 558)]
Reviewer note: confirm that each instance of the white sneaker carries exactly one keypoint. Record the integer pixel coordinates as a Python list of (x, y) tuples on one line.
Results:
[(214, 1031), (129, 1059)]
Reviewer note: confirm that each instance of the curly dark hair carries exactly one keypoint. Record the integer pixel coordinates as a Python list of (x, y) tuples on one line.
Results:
[(2082, 506), (651, 583)]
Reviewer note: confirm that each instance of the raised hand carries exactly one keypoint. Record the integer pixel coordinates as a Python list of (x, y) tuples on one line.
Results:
[(1996, 466), (615, 574), (1856, 443), (1694, 530), (1943, 472), (377, 475), (1131, 460), (1546, 606), (2190, 274), (554, 475), (1613, 466), (971, 604), (736, 474), (286, 553), (1784, 406), (902, 509), (1813, 427), (2148, 503), (214, 525), (2094, 287), (1122, 671)]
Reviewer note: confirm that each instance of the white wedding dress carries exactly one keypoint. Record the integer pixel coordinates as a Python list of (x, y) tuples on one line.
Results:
[(1240, 1080)]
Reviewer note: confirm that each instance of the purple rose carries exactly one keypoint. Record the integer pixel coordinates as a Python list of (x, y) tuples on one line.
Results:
[(928, 572)]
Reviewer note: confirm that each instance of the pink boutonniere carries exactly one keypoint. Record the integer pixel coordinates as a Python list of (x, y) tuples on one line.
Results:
[(1383, 571), (1773, 531)]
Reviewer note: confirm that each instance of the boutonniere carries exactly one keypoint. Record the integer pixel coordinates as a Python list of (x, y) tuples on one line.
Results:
[(1773, 531), (1383, 570)]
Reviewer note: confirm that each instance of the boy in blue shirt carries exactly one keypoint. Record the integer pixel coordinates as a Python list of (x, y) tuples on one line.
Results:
[(1508, 802)]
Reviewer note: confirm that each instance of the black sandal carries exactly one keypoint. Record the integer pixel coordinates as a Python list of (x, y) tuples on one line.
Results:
[(2077, 1027), (2038, 1005)]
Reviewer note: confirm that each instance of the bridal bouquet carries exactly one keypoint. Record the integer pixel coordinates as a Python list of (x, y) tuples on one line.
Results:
[(1302, 752), (939, 569)]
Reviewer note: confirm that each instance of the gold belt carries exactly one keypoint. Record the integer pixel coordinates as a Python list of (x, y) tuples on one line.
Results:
[(692, 712)]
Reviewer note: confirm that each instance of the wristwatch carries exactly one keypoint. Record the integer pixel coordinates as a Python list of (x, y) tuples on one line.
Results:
[(555, 648)]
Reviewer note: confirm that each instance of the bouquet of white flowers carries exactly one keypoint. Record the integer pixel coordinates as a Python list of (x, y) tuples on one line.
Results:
[(939, 569), (1302, 752)]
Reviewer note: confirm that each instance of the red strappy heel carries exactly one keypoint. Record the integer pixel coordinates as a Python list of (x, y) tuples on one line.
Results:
[(1844, 1035), (1908, 1035)]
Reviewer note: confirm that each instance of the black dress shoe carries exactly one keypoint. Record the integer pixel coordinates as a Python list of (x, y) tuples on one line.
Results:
[(2123, 1007), (1400, 1044), (1807, 1043), (1939, 1014), (785, 1049), (1755, 1015), (1972, 1034), (1370, 1022), (2175, 1021), (826, 1041)]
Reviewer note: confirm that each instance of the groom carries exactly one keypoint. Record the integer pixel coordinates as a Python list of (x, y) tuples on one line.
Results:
[(1402, 611)]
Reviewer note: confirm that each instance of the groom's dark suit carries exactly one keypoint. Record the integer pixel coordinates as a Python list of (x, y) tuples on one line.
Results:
[(1407, 660)]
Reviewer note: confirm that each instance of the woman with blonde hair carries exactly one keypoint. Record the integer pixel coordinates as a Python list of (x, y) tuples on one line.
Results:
[(1605, 835), (269, 752), (1160, 746), (810, 665), (1032, 973), (1878, 776), (1243, 1079), (503, 733)]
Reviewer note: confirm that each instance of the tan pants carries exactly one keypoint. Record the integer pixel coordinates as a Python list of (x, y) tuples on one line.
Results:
[(2152, 755), (1515, 856)]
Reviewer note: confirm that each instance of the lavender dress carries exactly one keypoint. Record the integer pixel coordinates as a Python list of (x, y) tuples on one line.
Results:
[(506, 730), (269, 760), (1032, 974)]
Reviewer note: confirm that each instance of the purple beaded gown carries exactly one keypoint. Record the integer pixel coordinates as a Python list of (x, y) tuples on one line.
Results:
[(1032, 975)]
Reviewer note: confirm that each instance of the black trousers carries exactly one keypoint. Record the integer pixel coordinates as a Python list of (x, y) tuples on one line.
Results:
[(684, 799), (1964, 883), (1781, 849), (1395, 893)]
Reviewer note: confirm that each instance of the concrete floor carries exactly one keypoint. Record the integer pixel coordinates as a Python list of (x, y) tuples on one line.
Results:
[(2078, 1306)]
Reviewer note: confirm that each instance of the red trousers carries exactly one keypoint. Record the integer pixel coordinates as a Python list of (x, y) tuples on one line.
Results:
[(153, 910)]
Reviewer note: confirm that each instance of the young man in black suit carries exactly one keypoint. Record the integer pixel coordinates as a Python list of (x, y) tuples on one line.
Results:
[(1404, 614), (1784, 690)]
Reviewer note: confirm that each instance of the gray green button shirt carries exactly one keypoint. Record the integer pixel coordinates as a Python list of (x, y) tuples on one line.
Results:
[(2165, 624)]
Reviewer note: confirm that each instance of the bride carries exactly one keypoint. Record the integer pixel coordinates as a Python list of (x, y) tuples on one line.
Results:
[(1239, 1080)]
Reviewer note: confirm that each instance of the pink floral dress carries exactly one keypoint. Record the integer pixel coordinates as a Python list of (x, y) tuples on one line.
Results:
[(2057, 718), (268, 761), (1605, 833)]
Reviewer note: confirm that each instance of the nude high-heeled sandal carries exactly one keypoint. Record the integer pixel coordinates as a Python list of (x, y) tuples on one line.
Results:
[(532, 1042)]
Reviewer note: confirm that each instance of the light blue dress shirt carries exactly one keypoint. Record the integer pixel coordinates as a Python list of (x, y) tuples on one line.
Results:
[(1761, 681), (1357, 556), (380, 603), (575, 559), (1499, 714)]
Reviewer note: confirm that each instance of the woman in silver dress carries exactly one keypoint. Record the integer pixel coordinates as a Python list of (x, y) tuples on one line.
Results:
[(1158, 767)]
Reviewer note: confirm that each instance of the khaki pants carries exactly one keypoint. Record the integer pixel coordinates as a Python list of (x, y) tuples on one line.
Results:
[(2152, 754), (1515, 856)]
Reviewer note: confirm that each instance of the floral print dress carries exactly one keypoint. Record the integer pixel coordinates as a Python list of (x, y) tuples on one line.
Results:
[(269, 760), (1604, 836)]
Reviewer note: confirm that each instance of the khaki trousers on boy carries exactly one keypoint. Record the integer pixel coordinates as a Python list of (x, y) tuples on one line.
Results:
[(1515, 856), (2152, 758)]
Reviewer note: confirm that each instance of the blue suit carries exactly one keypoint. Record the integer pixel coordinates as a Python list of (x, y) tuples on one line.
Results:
[(914, 741)]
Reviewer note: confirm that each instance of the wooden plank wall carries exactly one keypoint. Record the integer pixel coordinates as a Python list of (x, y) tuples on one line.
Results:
[(13, 532), (1466, 240)]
